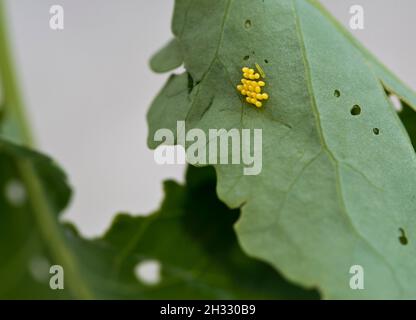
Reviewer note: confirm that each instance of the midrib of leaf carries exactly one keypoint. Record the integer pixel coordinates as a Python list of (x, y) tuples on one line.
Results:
[(131, 244), (324, 144), (43, 214)]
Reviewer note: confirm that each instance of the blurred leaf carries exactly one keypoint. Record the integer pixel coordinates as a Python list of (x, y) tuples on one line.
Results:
[(191, 237), (337, 186), (26, 247)]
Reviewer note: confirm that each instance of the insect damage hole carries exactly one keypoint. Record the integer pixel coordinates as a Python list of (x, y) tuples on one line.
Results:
[(403, 238), (247, 24), (266, 61), (376, 131), (356, 110), (148, 272), (337, 93)]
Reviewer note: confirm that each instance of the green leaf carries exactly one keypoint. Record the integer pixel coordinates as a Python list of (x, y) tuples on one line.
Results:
[(191, 236), (389, 80), (168, 58), (336, 189)]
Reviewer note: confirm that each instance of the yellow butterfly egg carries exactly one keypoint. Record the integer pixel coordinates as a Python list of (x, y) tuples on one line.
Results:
[(251, 87)]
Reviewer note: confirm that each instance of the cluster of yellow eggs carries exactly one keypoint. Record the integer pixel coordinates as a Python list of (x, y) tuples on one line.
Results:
[(252, 87)]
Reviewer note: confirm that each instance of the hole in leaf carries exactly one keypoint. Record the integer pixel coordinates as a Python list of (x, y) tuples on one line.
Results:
[(266, 61), (246, 58), (337, 93), (148, 272), (356, 110), (15, 193), (247, 24), (39, 269), (403, 238), (376, 131), (396, 102)]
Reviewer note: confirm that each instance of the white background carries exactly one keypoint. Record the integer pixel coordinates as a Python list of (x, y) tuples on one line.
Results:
[(88, 89)]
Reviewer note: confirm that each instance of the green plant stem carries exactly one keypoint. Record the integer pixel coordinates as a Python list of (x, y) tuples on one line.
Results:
[(52, 233), (46, 222), (14, 112)]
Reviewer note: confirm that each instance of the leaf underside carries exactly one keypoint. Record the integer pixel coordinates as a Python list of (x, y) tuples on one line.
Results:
[(336, 189), (168, 58)]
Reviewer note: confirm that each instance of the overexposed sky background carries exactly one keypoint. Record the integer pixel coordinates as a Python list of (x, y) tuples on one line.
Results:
[(88, 89)]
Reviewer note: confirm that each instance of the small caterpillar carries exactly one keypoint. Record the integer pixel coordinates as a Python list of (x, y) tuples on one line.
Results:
[(261, 71)]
